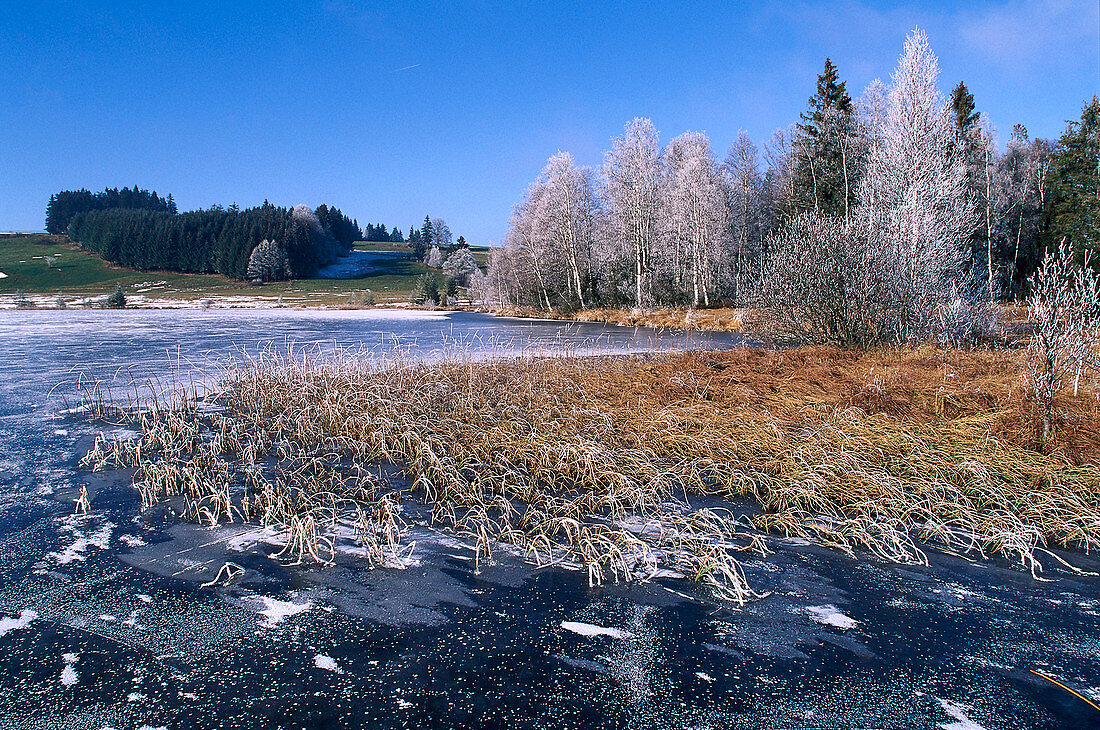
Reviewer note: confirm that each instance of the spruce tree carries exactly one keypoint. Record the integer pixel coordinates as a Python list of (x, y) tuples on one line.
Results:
[(962, 105), (420, 249), (1073, 207), (824, 171)]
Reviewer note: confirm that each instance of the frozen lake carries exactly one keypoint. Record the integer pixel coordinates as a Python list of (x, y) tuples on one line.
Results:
[(103, 622)]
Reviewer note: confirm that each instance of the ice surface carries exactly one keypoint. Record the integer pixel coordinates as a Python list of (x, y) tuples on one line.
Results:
[(74, 525), (578, 627)]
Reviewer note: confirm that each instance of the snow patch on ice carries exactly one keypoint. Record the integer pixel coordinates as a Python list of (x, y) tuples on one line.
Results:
[(72, 524), (131, 540), (957, 713), (275, 610), (69, 676), (322, 661), (3, 275), (21, 622), (704, 676), (830, 616), (578, 627)]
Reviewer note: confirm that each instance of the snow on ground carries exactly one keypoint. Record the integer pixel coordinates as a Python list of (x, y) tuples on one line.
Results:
[(21, 622), (274, 610), (69, 676), (830, 616), (322, 661), (957, 713), (584, 629), (3, 275)]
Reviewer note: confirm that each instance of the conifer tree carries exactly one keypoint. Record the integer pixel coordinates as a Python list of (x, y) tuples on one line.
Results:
[(962, 106), (1073, 207), (426, 240), (824, 177)]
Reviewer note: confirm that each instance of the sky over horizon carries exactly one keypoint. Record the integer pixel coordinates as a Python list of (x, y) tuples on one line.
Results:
[(391, 112)]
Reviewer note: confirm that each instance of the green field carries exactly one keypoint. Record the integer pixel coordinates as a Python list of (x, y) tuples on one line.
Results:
[(78, 274)]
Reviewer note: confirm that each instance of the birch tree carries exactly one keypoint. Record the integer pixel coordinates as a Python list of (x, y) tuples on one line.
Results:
[(565, 220), (630, 186), (696, 205), (747, 208)]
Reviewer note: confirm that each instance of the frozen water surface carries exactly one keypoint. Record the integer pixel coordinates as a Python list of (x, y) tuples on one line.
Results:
[(103, 622)]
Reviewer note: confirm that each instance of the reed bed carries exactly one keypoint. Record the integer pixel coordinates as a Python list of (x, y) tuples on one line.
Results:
[(597, 462)]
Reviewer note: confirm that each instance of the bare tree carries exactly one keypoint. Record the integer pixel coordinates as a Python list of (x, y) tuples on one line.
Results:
[(565, 219), (696, 229), (441, 233), (748, 208), (630, 186), (1064, 308)]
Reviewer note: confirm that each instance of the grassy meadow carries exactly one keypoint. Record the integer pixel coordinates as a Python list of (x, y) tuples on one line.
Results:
[(78, 275)]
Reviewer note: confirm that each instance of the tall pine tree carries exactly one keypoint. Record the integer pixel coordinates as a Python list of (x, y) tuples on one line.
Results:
[(425, 241), (1073, 206), (824, 173)]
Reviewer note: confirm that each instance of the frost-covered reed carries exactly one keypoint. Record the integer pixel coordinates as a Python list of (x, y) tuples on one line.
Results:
[(600, 462)]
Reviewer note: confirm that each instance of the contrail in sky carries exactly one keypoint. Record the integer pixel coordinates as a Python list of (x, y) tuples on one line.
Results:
[(406, 68)]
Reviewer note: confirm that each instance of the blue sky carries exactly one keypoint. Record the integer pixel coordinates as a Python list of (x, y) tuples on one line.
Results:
[(391, 111)]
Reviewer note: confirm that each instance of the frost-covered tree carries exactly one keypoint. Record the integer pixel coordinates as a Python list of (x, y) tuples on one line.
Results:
[(748, 209), (630, 182), (460, 266), (914, 195), (434, 259), (565, 221), (694, 253), (1064, 309), (268, 262), (305, 214), (441, 234)]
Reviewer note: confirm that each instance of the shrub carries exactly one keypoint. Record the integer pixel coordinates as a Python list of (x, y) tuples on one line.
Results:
[(117, 300), (1064, 308)]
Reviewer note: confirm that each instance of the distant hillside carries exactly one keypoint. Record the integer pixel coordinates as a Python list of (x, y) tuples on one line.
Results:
[(140, 230)]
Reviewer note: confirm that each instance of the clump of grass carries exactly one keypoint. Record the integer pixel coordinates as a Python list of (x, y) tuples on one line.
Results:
[(596, 462)]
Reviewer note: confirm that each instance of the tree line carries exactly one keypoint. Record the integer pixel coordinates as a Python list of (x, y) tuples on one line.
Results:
[(217, 240), (67, 203), (904, 187)]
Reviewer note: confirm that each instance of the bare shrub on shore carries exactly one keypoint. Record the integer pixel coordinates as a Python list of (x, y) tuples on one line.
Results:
[(1064, 308)]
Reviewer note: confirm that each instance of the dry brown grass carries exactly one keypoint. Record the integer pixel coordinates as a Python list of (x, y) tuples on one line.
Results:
[(726, 319), (591, 460)]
